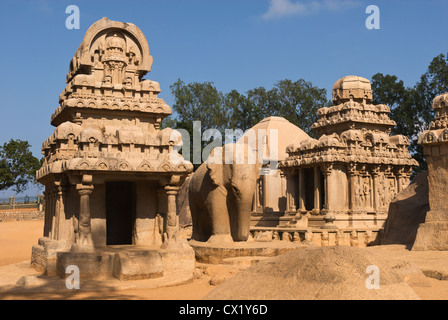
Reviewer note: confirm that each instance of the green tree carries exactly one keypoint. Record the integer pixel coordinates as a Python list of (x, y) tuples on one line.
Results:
[(298, 102), (199, 102), (387, 89), (243, 113), (18, 166), (411, 108), (405, 111), (432, 83)]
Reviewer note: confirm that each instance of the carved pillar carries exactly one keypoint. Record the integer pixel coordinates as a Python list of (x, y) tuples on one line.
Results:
[(290, 199), (284, 186), (57, 205), (400, 180), (85, 229), (353, 191), (58, 228), (50, 212), (160, 223), (53, 211), (301, 191), (326, 172), (259, 196), (265, 191), (317, 188), (84, 240), (329, 214), (62, 232), (47, 213), (171, 234), (255, 200), (375, 197)]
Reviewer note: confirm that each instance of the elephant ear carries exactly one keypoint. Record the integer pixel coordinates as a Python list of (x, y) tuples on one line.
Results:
[(214, 165)]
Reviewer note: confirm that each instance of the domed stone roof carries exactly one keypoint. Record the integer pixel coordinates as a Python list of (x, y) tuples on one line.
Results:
[(352, 88), (287, 134)]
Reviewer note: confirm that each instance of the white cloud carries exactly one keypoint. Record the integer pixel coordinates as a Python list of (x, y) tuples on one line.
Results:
[(284, 8)]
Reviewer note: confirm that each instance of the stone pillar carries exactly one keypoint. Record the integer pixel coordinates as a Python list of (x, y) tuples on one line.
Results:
[(283, 194), (352, 176), (160, 222), (57, 206), (47, 213), (52, 212), (62, 232), (171, 234), (290, 193), (258, 204), (329, 214), (317, 188), (301, 191), (84, 241), (59, 221), (265, 191), (375, 197), (326, 172)]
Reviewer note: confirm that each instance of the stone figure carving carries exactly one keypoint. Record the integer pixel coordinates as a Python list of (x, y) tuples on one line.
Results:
[(392, 191), (366, 192), (359, 195), (221, 194), (383, 193)]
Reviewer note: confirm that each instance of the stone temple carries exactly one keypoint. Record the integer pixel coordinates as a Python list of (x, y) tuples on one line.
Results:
[(339, 185), (433, 233), (110, 180)]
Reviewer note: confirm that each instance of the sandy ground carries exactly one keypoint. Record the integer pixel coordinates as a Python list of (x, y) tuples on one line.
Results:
[(17, 238)]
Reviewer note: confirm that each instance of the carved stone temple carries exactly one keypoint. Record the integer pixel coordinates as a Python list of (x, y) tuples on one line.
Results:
[(433, 233), (110, 182), (339, 186)]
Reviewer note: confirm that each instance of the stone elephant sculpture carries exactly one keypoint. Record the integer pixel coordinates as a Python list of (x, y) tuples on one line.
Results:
[(221, 194)]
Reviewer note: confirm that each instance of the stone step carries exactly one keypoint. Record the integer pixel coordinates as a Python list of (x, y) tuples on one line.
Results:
[(243, 261)]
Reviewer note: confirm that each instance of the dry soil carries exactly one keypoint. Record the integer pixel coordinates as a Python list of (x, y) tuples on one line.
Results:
[(17, 238)]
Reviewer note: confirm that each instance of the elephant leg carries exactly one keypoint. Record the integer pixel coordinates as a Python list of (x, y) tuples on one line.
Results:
[(201, 223), (219, 217)]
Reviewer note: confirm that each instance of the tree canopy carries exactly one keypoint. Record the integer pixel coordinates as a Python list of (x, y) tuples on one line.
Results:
[(411, 107), (18, 166), (297, 101)]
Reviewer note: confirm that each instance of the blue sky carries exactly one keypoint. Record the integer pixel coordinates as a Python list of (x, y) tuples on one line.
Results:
[(235, 44)]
